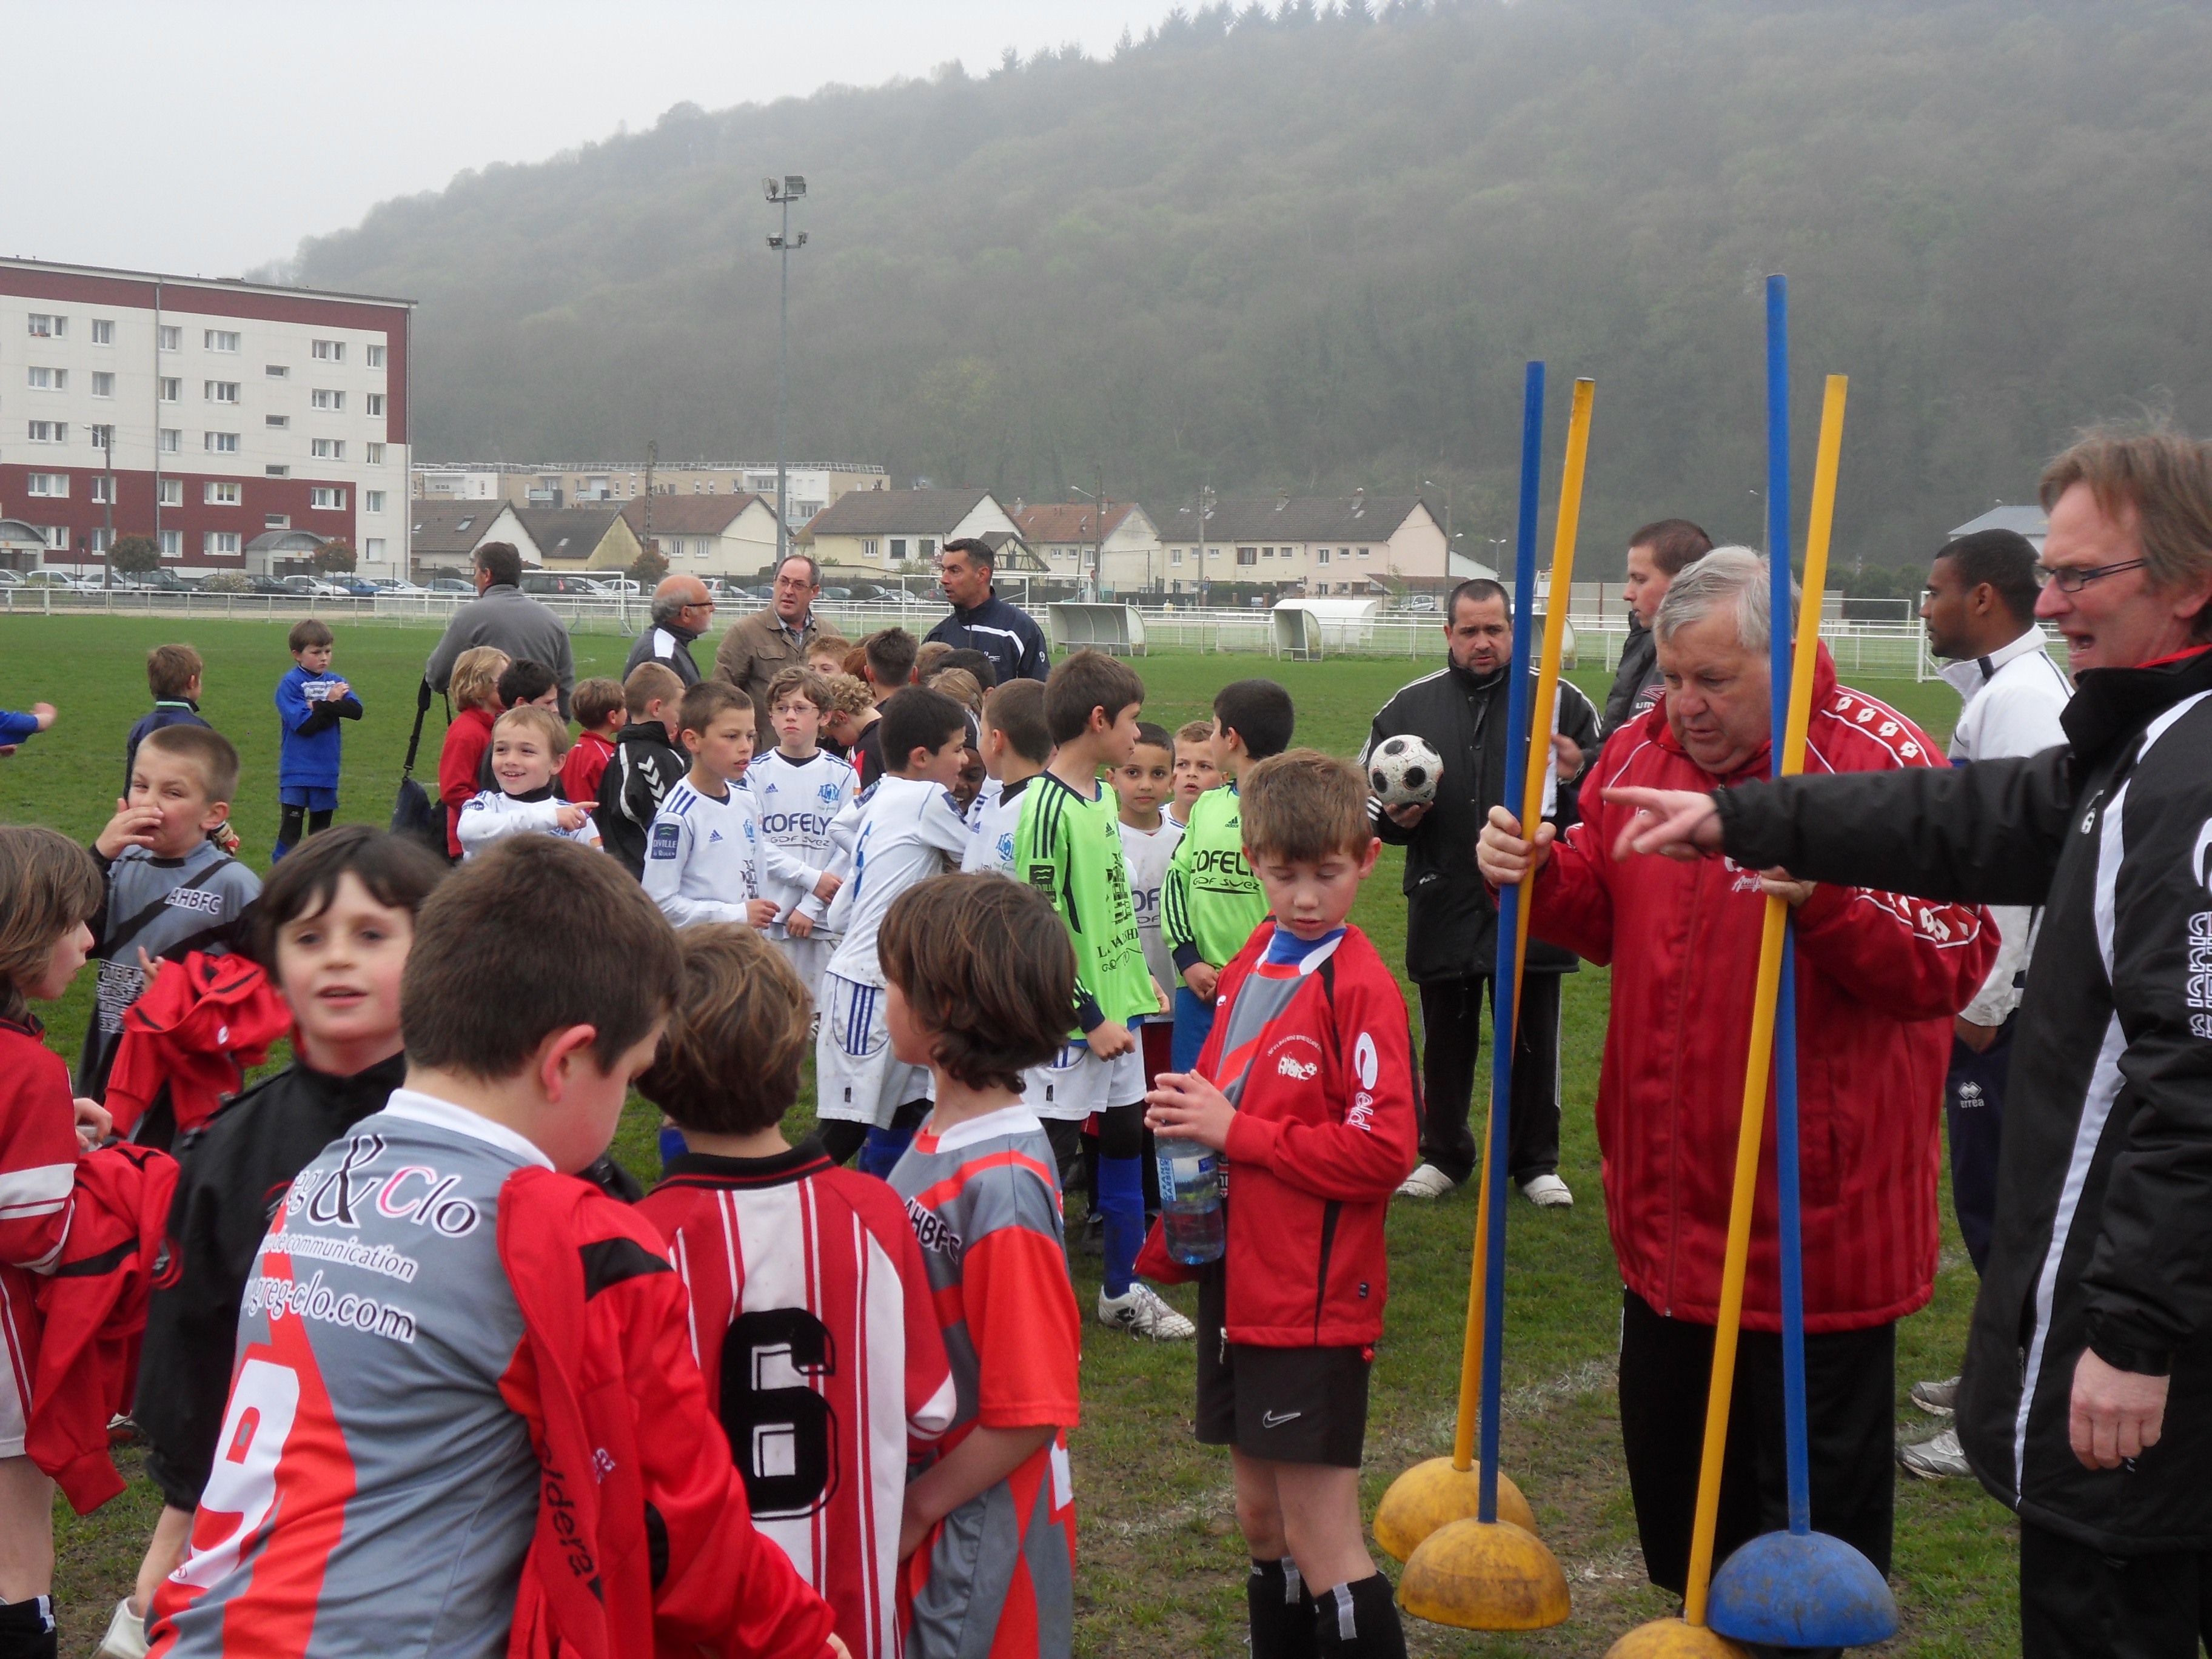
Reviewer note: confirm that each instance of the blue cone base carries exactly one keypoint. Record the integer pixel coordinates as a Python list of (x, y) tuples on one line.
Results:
[(1810, 1591)]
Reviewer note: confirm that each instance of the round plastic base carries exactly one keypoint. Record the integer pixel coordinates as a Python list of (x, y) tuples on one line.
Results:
[(1475, 1576), (1435, 1494), (1812, 1591), (1670, 1639)]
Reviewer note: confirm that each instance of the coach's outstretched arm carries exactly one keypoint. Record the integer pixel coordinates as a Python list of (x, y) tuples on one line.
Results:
[(1986, 834)]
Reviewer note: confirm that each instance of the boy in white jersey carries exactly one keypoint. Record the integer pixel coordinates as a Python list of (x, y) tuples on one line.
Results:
[(798, 789), (1017, 744), (527, 745), (906, 831), (700, 858)]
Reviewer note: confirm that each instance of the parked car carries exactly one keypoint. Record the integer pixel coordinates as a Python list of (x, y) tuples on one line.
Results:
[(396, 585), (613, 584), (272, 585), (452, 585), (57, 579), (836, 592), (11, 579), (548, 583)]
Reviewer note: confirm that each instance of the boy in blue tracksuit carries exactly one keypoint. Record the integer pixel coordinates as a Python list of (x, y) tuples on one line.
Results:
[(310, 701)]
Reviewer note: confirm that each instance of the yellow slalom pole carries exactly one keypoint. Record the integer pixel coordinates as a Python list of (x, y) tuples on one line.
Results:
[(1768, 989)]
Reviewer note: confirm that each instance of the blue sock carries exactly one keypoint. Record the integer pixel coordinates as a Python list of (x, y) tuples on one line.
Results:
[(1122, 1201), (672, 1143), (881, 1152)]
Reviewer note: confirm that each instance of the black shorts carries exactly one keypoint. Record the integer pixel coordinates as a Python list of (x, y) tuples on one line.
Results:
[(1287, 1405)]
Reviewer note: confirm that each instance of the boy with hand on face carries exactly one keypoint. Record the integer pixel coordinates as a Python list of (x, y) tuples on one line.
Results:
[(700, 865), (527, 743), (798, 790), (1312, 1149)]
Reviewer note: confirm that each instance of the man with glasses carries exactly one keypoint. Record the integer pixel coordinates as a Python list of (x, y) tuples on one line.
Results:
[(980, 620), (764, 644), (2096, 1303), (682, 609)]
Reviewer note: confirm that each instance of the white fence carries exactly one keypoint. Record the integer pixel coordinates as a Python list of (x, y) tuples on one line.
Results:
[(1877, 649)]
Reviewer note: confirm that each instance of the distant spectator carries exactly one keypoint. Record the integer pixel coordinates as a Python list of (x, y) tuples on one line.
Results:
[(983, 621), (173, 675), (310, 701), (1657, 554), (762, 646), (683, 609), (600, 712), (503, 616)]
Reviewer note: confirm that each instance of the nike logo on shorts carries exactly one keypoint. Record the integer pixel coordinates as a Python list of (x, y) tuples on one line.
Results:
[(1276, 1419)]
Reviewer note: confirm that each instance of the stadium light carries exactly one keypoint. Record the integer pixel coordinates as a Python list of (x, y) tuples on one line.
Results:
[(783, 244)]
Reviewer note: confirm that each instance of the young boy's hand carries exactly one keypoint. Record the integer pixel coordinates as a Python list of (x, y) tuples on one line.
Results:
[(800, 925), (44, 712), (1203, 978), (1110, 1037), (570, 816), (761, 912), (1184, 1104), (226, 838), (93, 1124), (827, 887), (132, 826)]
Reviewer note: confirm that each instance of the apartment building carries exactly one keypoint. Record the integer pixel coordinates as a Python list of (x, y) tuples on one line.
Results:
[(814, 485), (218, 411)]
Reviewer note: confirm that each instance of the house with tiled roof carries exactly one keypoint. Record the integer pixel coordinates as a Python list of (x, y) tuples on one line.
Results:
[(445, 535), (580, 538), (1073, 538), (1350, 544), (728, 536), (874, 532)]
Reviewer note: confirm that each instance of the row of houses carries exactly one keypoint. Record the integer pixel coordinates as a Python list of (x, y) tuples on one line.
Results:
[(1352, 544)]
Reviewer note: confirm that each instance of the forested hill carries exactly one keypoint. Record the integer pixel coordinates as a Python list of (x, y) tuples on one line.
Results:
[(1310, 252)]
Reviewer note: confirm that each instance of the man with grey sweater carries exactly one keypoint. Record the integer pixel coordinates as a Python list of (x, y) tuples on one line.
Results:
[(502, 615)]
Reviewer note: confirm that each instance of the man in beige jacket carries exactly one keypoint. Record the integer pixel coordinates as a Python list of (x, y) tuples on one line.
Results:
[(764, 644)]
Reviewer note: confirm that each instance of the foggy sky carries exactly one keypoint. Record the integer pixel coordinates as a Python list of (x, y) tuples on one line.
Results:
[(205, 136)]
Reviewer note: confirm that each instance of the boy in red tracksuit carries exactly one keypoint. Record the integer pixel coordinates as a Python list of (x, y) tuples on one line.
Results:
[(1305, 1086)]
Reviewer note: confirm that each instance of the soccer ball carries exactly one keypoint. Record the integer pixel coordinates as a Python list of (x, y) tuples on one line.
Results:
[(1403, 771)]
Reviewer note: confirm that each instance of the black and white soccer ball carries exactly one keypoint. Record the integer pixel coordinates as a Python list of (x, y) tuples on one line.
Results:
[(1403, 771)]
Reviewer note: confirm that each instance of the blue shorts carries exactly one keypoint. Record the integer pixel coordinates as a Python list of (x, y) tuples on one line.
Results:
[(1194, 1024), (308, 795)]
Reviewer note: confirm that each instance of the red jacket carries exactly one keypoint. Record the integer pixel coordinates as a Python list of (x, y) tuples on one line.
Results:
[(92, 1312), (459, 763), (621, 1424), (1325, 1128), (585, 765), (1879, 978), (196, 1028)]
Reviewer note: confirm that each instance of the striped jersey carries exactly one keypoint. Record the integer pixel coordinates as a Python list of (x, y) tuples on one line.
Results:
[(700, 863), (991, 823), (1211, 901), (908, 830), (812, 1324), (1145, 852), (794, 802), (996, 1578), (1068, 846)]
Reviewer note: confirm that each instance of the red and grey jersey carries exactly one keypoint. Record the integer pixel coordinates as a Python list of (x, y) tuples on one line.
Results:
[(812, 1324), (38, 1183), (997, 1576), (373, 1491)]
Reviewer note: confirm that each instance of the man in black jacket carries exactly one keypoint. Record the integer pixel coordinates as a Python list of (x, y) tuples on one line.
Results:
[(1451, 920), (1657, 554), (981, 621), (2089, 1368)]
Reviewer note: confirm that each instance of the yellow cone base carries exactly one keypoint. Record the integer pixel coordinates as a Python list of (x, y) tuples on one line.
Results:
[(1435, 1494), (1477, 1576), (1670, 1639)]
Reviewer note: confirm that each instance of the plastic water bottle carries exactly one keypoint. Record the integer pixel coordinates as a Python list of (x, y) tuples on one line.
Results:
[(1195, 1230)]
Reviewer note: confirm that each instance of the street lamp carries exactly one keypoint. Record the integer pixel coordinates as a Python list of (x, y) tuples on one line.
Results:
[(783, 193)]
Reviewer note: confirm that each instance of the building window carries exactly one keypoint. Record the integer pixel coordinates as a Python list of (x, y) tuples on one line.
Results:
[(221, 543), (49, 380), (221, 492), (1248, 556), (372, 549), (98, 540), (101, 495), (280, 422), (276, 522), (172, 492), (1212, 552), (330, 352), (927, 548), (103, 437), (276, 371), (898, 547), (373, 355), (171, 439), (1174, 556), (221, 392), (171, 338), (869, 551), (324, 399), (330, 500), (172, 388), (273, 472), (173, 544), (49, 431), (371, 501), (221, 443), (1362, 551), (1264, 552), (46, 328), (373, 453), (1321, 556), (374, 403), (103, 331), (49, 483), (329, 449), (218, 339), (56, 536), (103, 386)]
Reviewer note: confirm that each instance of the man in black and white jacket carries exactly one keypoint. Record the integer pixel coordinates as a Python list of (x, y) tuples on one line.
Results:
[(2084, 1402), (981, 621)]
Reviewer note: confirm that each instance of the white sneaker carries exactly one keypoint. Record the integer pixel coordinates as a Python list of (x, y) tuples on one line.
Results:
[(1427, 1182), (1139, 1311), (126, 1634), (1936, 1459), (1547, 1192), (1937, 1399)]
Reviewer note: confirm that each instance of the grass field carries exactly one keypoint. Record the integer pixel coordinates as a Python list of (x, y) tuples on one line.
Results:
[(1161, 1566)]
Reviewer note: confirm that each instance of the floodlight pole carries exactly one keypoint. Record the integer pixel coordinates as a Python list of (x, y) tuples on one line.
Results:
[(783, 193)]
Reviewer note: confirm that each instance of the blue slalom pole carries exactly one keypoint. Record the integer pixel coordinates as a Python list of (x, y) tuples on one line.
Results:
[(1505, 1001)]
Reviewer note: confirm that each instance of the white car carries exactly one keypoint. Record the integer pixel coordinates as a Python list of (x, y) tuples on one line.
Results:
[(611, 586), (394, 585), (58, 579)]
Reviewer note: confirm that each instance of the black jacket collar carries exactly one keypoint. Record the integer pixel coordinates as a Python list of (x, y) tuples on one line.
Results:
[(704, 1170), (2111, 705)]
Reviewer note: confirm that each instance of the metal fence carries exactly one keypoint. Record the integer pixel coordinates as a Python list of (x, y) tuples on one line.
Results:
[(1882, 649)]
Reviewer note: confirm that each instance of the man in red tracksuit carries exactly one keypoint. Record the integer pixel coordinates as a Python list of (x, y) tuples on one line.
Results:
[(1879, 978), (1306, 1087)]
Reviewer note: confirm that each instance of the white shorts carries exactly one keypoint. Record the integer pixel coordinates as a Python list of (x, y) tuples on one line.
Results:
[(857, 1077), (808, 957), (1076, 1083), (15, 1304)]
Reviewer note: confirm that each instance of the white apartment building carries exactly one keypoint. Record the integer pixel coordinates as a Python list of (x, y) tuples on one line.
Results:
[(222, 410)]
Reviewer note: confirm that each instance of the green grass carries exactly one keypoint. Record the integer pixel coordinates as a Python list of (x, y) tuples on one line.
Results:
[(1161, 1566)]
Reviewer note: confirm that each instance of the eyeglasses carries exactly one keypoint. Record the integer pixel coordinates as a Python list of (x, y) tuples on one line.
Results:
[(2073, 578)]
